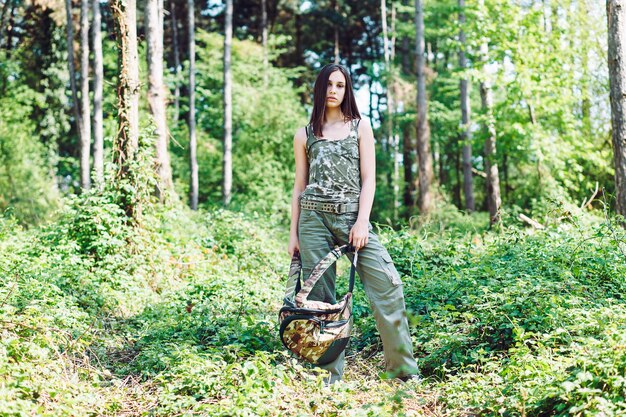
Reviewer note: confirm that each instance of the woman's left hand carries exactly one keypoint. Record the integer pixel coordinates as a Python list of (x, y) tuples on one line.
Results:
[(359, 234)]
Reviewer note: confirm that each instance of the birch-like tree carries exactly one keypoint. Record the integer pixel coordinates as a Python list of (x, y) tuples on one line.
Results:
[(177, 67), (228, 106), (491, 163), (156, 93), (616, 21), (85, 107), (264, 41), (425, 162), (72, 71), (98, 77), (193, 159), (466, 138)]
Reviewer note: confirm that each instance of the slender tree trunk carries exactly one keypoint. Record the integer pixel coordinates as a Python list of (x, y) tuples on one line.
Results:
[(505, 174), (98, 69), (406, 63), (298, 23), (9, 29), (72, 71), (177, 67), (468, 187), (228, 105), (390, 110), (336, 45), (157, 93), (425, 162), (336, 28), (85, 135), (407, 157), (264, 41), (126, 142), (616, 22), (491, 164), (193, 160), (5, 8)]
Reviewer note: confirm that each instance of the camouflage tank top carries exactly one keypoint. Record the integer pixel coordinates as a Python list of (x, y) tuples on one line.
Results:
[(334, 167)]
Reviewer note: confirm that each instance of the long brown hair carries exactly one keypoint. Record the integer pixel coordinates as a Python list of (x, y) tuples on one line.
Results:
[(348, 105)]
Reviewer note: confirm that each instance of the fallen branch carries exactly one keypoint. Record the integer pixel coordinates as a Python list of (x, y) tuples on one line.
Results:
[(586, 203), (531, 222), (479, 173)]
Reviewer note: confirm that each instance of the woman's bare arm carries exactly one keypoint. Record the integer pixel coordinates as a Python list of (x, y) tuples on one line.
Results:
[(360, 231), (300, 183)]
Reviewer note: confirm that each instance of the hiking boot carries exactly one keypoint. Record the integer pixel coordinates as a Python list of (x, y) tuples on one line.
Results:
[(415, 378)]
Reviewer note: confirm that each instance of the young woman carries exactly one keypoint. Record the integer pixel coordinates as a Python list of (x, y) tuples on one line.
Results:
[(331, 204)]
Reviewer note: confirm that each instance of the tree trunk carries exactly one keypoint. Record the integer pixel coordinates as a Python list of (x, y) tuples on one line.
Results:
[(505, 174), (126, 142), (85, 135), (456, 193), (407, 157), (177, 66), (425, 200), (336, 29), (298, 23), (5, 8), (9, 44), (406, 63), (468, 188), (193, 160), (228, 105), (491, 164), (390, 110), (264, 41), (157, 93), (616, 21), (98, 69), (72, 71)]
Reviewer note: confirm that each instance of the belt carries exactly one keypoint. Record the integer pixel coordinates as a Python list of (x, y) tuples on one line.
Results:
[(330, 207)]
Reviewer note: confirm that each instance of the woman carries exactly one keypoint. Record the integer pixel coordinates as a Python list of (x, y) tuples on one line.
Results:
[(331, 204)]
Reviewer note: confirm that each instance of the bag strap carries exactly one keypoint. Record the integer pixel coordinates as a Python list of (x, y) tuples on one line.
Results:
[(293, 281), (321, 267)]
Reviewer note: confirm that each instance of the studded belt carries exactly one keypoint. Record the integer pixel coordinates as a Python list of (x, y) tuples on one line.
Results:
[(329, 207)]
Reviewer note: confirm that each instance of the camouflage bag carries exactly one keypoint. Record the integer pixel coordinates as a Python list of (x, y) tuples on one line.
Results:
[(314, 330)]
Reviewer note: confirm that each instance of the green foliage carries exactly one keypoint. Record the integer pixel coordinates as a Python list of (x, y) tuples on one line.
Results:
[(520, 323), (27, 188), (264, 122)]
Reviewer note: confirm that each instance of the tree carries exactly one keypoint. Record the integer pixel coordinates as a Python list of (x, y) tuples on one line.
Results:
[(176, 53), (491, 163), (72, 71), (98, 70), (193, 159), (228, 105), (468, 188), (425, 162), (85, 134), (264, 41), (7, 10), (616, 22), (156, 92), (126, 142)]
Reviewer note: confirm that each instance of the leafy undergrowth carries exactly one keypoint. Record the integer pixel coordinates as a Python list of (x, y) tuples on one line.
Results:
[(178, 317)]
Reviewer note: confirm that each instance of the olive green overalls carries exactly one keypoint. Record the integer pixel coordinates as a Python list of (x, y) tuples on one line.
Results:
[(335, 177)]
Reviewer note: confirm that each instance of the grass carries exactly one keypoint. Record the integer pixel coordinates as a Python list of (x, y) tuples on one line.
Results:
[(182, 320)]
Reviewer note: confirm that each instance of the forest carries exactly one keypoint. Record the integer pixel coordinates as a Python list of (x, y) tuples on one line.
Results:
[(146, 177)]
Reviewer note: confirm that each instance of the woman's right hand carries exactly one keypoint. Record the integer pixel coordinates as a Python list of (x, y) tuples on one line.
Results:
[(294, 245)]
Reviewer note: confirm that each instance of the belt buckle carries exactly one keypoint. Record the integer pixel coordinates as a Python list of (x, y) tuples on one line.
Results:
[(336, 208)]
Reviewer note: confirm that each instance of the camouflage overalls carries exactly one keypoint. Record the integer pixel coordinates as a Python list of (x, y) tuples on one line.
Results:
[(335, 176)]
